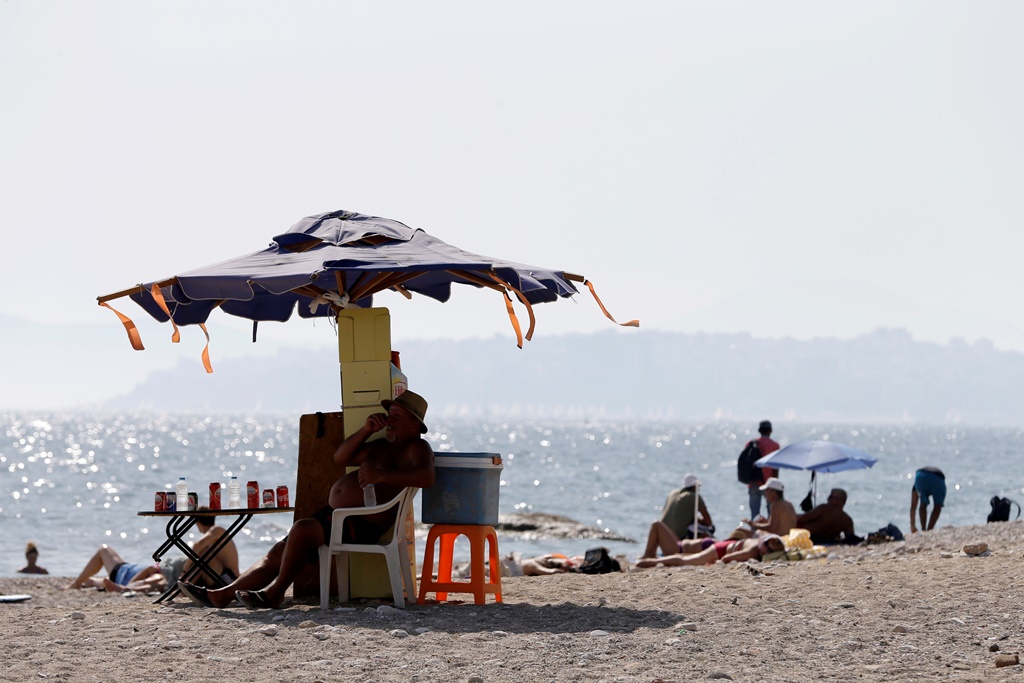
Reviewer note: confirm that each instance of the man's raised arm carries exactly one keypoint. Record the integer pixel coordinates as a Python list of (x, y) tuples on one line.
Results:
[(353, 450)]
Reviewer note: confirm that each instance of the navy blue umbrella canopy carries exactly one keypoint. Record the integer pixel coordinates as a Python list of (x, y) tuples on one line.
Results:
[(341, 259)]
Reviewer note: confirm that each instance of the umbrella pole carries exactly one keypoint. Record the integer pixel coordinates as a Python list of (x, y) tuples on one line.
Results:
[(696, 511)]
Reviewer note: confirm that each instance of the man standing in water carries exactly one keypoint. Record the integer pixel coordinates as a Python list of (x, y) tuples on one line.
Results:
[(765, 446), (402, 458)]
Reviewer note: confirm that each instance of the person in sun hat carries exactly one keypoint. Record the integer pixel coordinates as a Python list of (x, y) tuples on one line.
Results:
[(399, 460), (677, 518), (781, 513)]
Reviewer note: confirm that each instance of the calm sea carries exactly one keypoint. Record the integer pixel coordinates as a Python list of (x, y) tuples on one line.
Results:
[(73, 481)]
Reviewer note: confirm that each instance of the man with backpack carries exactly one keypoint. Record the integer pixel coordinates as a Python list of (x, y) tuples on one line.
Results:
[(755, 477)]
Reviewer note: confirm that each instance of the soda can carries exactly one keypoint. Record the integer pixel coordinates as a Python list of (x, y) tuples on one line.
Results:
[(172, 501), (282, 496), (252, 495), (160, 502), (215, 495), (268, 498), (193, 500)]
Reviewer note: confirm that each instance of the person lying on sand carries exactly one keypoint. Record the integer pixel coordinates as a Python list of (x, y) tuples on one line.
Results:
[(708, 551), (31, 556), (149, 578)]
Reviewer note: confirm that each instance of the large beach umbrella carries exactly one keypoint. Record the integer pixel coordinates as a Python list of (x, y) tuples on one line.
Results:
[(817, 456), (340, 259)]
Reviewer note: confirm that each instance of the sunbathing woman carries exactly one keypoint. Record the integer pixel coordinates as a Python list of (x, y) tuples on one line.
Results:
[(708, 551)]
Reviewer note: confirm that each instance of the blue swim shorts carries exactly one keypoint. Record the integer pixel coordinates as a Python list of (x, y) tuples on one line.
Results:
[(930, 485), (122, 574)]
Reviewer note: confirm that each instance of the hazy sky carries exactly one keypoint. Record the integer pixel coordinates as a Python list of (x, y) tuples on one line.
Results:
[(802, 169)]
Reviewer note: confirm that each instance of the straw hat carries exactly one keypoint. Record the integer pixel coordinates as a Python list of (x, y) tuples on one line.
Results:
[(414, 403)]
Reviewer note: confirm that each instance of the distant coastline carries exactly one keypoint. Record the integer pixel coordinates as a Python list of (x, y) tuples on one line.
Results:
[(884, 376)]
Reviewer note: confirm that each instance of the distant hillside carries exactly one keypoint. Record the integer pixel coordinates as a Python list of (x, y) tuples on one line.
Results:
[(884, 376)]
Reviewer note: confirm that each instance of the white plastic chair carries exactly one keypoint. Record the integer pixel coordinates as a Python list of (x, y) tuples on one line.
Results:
[(394, 550)]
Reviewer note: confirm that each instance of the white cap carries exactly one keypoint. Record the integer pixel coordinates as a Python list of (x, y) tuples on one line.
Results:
[(690, 480), (773, 483)]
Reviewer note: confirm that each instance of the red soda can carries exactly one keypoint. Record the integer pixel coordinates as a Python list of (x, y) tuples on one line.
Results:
[(282, 496), (215, 495), (268, 498), (160, 502), (193, 500), (171, 504), (252, 495)]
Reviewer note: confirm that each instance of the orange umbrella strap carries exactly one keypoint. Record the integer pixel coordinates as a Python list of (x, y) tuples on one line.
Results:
[(512, 317), (206, 349), (133, 332), (525, 302), (158, 297), (631, 323)]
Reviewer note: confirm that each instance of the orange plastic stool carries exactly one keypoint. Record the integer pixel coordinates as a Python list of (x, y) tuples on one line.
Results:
[(478, 535)]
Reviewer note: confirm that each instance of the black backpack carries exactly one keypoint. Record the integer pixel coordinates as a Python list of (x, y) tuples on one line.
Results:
[(746, 471), (598, 561), (1001, 509)]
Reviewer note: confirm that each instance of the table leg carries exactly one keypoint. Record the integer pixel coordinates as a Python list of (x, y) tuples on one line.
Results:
[(201, 563)]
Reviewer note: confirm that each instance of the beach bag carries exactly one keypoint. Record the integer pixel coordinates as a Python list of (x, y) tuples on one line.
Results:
[(797, 539), (746, 471), (598, 561), (887, 533), (1001, 509)]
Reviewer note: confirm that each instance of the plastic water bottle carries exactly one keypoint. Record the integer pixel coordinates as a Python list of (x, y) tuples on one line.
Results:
[(234, 494), (369, 496), (181, 493)]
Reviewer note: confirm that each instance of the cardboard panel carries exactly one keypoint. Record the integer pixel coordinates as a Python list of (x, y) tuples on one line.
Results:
[(319, 436)]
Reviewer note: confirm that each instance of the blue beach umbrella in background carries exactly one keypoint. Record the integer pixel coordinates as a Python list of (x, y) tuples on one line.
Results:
[(817, 456)]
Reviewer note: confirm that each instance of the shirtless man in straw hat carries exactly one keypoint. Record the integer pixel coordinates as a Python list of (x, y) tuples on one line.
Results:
[(402, 458)]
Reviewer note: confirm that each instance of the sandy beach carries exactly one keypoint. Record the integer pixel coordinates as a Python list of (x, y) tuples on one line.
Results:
[(897, 611)]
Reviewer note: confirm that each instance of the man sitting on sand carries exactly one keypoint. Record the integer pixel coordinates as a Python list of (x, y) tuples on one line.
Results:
[(401, 459), (148, 578), (678, 518), (781, 514), (828, 523), (700, 551), (682, 504)]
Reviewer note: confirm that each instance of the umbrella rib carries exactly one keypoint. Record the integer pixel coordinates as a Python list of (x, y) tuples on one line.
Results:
[(395, 280), (369, 287), (476, 279), (137, 289), (339, 279)]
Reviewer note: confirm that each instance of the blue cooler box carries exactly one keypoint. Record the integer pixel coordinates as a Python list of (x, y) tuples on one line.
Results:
[(465, 489)]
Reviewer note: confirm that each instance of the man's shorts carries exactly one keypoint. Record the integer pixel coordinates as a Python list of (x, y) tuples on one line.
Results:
[(930, 485)]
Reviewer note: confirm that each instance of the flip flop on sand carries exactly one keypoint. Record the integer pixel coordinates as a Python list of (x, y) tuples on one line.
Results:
[(196, 594), (253, 599)]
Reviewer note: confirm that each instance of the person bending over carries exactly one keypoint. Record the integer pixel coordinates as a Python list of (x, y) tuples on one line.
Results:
[(401, 459), (929, 482)]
